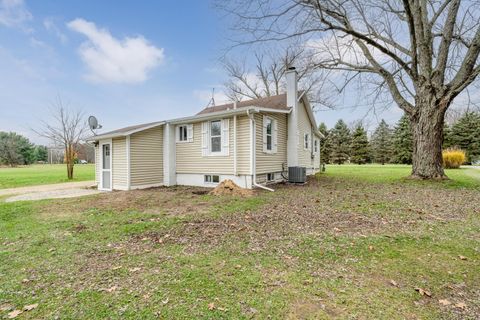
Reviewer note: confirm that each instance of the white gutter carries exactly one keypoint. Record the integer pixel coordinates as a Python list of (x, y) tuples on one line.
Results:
[(235, 140), (252, 152)]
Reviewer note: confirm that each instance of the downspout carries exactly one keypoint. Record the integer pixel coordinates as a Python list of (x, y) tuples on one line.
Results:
[(235, 166), (252, 153)]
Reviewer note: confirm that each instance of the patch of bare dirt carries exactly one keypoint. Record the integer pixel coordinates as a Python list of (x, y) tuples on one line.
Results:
[(329, 206), (229, 188)]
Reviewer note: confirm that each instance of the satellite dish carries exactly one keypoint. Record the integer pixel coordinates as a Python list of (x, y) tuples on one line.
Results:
[(93, 124)]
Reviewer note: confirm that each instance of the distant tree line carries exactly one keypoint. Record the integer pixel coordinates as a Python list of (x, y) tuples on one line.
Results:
[(16, 149), (394, 144)]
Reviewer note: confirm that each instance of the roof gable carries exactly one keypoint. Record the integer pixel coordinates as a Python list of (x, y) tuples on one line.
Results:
[(278, 102)]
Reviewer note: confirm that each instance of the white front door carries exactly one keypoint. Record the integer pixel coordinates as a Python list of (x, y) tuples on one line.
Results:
[(106, 166)]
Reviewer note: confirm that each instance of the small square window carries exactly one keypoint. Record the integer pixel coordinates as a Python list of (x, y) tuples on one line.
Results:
[(215, 179), (208, 178), (182, 133), (270, 176)]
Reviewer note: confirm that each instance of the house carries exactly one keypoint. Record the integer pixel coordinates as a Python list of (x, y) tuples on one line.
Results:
[(250, 142)]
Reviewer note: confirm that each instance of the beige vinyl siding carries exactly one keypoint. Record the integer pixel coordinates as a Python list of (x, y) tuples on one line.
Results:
[(119, 163), (189, 157), (243, 145), (268, 162), (146, 157), (97, 164), (304, 126)]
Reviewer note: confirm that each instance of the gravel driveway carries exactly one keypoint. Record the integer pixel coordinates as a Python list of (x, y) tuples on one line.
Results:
[(50, 191)]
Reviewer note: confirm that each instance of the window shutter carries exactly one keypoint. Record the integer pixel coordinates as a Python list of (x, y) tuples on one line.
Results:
[(190, 132), (205, 138), (225, 137), (264, 133), (275, 137)]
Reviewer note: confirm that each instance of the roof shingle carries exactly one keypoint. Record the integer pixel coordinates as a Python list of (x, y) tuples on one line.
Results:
[(274, 102)]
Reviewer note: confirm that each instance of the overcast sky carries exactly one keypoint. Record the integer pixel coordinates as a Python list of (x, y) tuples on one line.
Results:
[(127, 62)]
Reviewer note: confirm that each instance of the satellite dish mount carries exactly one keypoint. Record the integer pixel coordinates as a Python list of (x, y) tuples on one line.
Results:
[(93, 124)]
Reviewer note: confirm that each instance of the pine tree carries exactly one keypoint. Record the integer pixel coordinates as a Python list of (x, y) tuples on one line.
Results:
[(360, 153), (402, 142), (447, 136), (382, 143), (465, 134), (325, 148), (340, 139)]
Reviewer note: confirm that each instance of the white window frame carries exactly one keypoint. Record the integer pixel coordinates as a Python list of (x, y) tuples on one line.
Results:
[(188, 130), (208, 178), (273, 134), (315, 146), (306, 141), (272, 175), (181, 128), (101, 144), (210, 138), (269, 120)]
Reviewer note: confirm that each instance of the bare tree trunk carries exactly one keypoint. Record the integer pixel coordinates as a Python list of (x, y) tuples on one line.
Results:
[(427, 125)]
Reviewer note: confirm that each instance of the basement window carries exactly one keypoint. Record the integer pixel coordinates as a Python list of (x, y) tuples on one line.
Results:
[(212, 178), (270, 176)]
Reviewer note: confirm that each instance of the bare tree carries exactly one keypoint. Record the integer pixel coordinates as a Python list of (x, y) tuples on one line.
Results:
[(267, 77), (66, 129), (420, 53)]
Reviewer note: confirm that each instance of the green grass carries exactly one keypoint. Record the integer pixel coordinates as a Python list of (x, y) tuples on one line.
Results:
[(375, 173), (321, 251), (43, 174)]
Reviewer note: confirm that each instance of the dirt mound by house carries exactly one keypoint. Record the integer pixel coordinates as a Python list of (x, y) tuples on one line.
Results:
[(228, 187)]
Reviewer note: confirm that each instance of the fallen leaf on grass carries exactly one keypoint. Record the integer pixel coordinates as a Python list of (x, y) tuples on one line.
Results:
[(211, 306), (394, 283), (444, 302), (30, 307), (14, 314), (135, 269), (370, 248), (165, 301), (462, 258), (423, 292), (460, 305), (111, 289)]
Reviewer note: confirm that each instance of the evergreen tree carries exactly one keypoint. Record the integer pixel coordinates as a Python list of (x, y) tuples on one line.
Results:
[(382, 143), (340, 139), (360, 153), (40, 153), (465, 134), (447, 136), (325, 148), (402, 142), (15, 149)]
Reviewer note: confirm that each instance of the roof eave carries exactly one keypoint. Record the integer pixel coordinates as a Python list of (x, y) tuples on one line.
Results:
[(123, 134)]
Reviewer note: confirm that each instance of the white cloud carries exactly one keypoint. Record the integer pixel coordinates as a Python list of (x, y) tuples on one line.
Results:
[(109, 59), (14, 14), (51, 27)]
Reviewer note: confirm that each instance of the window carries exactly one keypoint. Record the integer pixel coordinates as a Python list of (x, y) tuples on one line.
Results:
[(216, 136), (270, 176), (269, 134), (106, 156), (182, 133), (306, 141), (316, 146), (212, 178)]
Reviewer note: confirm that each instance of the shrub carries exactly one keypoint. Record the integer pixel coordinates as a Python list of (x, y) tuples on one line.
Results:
[(453, 158)]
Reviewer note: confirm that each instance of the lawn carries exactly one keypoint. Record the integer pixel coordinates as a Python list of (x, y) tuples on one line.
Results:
[(43, 174), (354, 243)]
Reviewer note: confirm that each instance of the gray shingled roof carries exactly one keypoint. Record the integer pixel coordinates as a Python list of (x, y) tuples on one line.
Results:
[(128, 129), (274, 102)]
